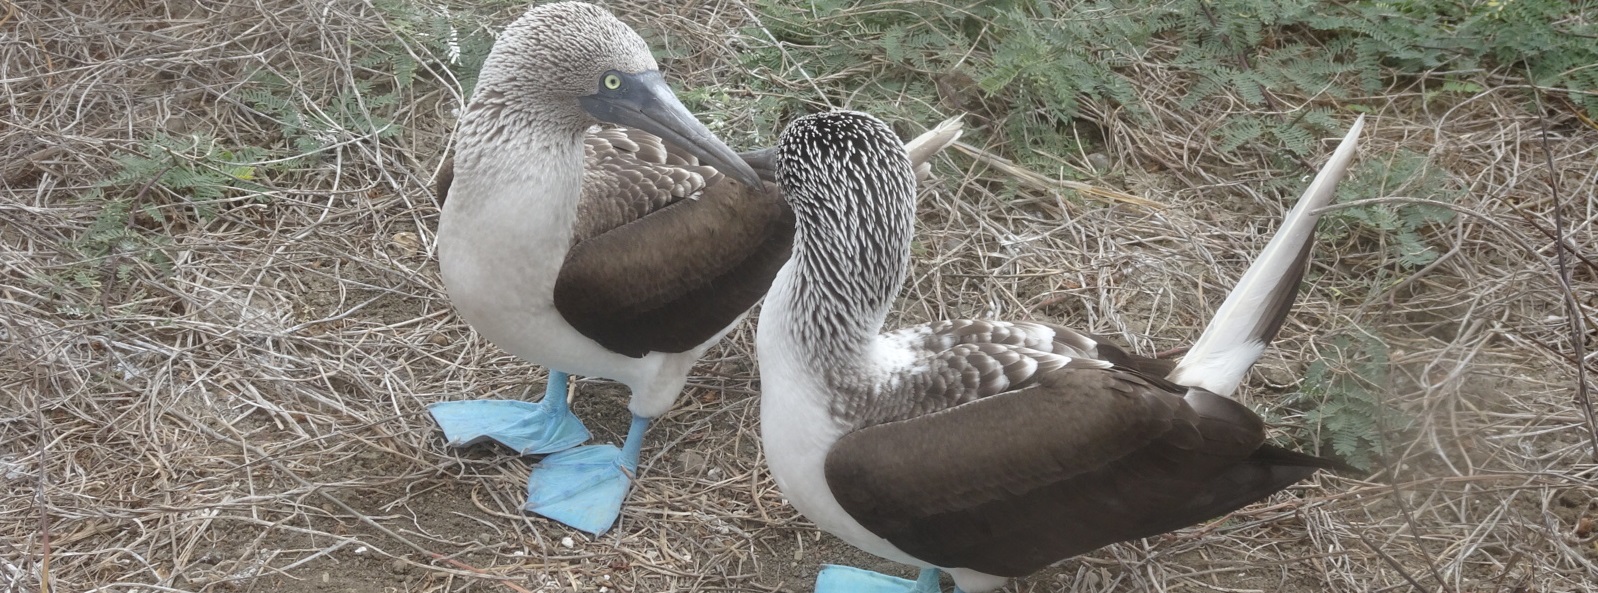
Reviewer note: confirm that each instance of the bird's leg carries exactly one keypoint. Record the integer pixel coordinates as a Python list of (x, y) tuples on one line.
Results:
[(845, 579), (584, 487), (634, 444), (528, 428)]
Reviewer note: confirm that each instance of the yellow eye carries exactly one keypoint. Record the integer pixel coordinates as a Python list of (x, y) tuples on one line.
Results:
[(612, 81)]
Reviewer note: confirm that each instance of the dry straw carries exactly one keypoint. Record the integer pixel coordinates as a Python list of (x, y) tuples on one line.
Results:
[(244, 412)]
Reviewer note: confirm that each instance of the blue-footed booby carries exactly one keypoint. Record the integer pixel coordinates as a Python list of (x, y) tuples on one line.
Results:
[(621, 253), (991, 449)]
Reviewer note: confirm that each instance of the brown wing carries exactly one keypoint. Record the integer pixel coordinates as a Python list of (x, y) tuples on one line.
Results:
[(655, 269), (674, 278), (442, 181), (1081, 458)]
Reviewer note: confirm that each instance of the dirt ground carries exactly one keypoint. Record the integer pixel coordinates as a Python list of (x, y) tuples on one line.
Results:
[(227, 393)]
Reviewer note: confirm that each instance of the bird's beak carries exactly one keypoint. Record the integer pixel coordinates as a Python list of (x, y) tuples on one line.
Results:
[(643, 101)]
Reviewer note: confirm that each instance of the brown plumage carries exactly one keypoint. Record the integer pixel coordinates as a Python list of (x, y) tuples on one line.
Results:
[(611, 287), (626, 304), (637, 186), (1074, 459), (990, 448)]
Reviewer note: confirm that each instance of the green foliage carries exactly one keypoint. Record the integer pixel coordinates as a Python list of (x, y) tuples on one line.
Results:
[(1341, 401), (357, 111), (426, 39), (164, 177), (1398, 227), (198, 171), (445, 40), (1031, 65)]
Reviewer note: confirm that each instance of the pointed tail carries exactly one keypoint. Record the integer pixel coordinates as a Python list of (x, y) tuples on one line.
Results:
[(1257, 306), (922, 148)]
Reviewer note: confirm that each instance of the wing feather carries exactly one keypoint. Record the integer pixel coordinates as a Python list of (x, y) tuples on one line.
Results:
[(673, 280), (1027, 443), (1081, 458), (628, 175)]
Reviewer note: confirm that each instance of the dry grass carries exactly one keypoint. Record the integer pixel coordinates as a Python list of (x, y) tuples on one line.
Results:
[(246, 410)]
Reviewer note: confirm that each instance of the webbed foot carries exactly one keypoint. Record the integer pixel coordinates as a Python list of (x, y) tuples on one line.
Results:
[(526, 427), (847, 579), (584, 487)]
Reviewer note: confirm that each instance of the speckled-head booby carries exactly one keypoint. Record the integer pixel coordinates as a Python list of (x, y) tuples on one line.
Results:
[(991, 449), (621, 253)]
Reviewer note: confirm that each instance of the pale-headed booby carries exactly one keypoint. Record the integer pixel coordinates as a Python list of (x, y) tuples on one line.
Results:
[(621, 253), (991, 449)]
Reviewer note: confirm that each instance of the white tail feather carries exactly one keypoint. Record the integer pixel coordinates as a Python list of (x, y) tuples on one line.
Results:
[(921, 148), (1223, 354)]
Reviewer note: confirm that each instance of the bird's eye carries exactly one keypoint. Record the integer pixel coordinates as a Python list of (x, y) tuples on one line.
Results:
[(612, 81)]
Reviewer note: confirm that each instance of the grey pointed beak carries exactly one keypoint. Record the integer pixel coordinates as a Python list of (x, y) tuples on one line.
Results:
[(643, 101)]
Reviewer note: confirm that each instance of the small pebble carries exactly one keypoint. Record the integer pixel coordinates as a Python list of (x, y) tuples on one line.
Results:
[(1099, 161), (408, 242), (1093, 579), (692, 461)]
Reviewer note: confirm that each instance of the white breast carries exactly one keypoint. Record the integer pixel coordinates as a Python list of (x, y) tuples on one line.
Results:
[(502, 236), (798, 430)]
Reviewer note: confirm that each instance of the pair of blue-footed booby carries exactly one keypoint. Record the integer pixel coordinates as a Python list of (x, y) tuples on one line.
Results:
[(621, 253), (991, 449)]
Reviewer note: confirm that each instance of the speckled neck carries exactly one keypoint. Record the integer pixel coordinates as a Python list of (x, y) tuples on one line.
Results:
[(853, 196)]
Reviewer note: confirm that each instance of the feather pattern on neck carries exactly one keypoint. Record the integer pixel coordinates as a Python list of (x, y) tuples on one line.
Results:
[(851, 250)]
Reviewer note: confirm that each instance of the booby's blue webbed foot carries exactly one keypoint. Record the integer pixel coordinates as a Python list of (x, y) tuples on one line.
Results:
[(584, 487), (847, 579), (528, 428)]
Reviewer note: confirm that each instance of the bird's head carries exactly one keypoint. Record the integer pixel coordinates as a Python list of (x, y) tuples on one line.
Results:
[(576, 64)]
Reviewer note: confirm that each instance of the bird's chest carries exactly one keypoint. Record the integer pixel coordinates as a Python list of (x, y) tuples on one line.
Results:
[(797, 436), (503, 236)]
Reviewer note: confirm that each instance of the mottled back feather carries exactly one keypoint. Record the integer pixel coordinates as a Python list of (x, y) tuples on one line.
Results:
[(630, 174)]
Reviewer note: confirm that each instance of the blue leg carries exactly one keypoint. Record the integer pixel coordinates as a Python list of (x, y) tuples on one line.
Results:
[(528, 428), (584, 487), (845, 579)]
